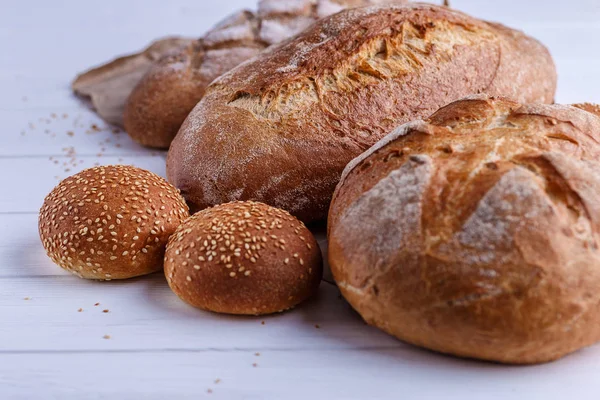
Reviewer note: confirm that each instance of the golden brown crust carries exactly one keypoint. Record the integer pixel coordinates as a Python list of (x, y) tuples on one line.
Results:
[(479, 231), (110, 222), (312, 104), (165, 96), (243, 258)]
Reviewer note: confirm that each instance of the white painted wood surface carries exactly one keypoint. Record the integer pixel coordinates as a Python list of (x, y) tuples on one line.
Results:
[(159, 347)]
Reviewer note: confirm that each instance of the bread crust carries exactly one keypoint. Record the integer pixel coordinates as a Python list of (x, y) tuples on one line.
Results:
[(165, 96), (478, 231), (243, 258), (110, 222), (281, 127)]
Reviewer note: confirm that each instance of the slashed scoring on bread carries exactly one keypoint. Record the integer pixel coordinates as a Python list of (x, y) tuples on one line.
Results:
[(476, 232)]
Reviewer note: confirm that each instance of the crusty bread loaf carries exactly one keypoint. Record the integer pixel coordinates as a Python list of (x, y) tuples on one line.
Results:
[(280, 128), (243, 258), (169, 91), (110, 222), (476, 232)]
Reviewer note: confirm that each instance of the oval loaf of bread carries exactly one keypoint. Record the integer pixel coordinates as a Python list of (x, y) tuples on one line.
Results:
[(476, 232), (281, 127), (159, 104)]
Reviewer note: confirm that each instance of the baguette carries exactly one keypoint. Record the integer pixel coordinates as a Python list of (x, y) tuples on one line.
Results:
[(475, 233), (280, 128), (163, 98)]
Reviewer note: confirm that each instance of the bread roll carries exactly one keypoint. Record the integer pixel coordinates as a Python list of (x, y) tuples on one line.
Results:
[(280, 128), (243, 258), (164, 97), (110, 222), (475, 233)]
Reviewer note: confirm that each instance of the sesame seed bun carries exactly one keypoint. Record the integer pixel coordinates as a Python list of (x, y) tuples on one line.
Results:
[(110, 222), (243, 258)]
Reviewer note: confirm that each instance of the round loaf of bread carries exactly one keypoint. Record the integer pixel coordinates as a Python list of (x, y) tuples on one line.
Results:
[(110, 222), (243, 258), (476, 232)]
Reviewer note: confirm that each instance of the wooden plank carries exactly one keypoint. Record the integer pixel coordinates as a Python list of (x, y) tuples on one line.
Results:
[(27, 180), (403, 373), (55, 131), (145, 315)]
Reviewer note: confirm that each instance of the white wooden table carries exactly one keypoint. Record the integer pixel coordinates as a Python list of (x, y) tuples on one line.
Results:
[(159, 347)]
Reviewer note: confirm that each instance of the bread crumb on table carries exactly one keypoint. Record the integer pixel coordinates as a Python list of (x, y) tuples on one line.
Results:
[(106, 337), (27, 298), (105, 311), (80, 310)]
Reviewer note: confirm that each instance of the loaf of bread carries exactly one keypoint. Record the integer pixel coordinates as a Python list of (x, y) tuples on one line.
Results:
[(243, 258), (475, 233), (280, 129), (169, 91)]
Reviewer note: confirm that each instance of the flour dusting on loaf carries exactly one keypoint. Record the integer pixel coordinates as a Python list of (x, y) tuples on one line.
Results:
[(394, 206), (508, 207), (503, 262)]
